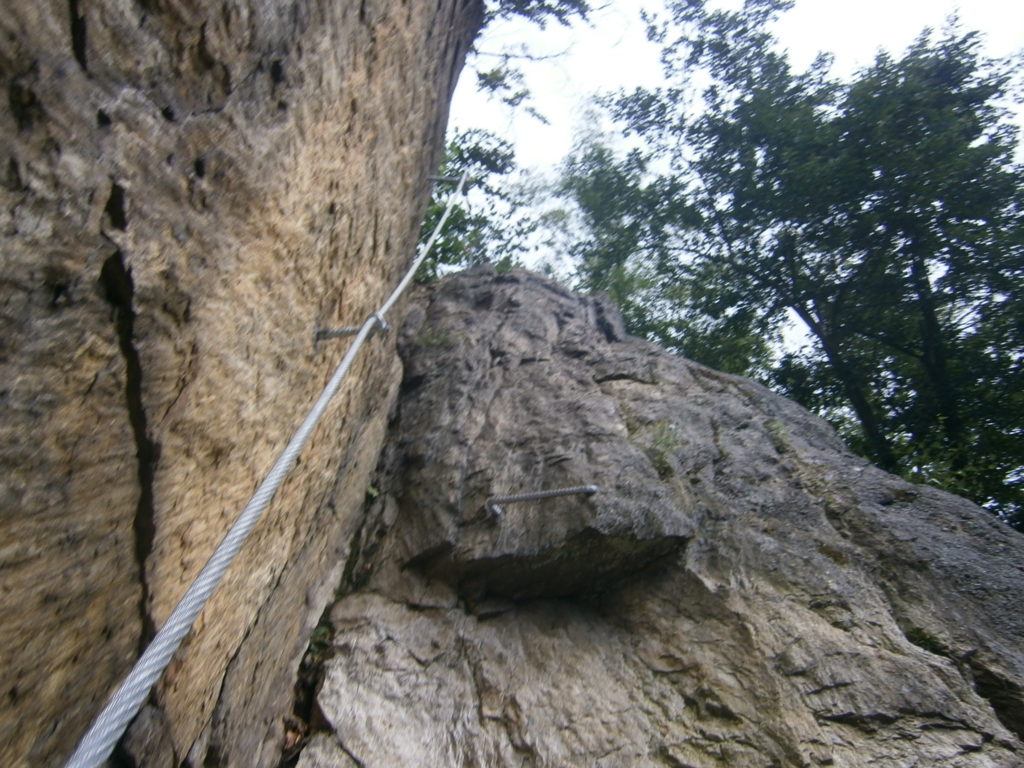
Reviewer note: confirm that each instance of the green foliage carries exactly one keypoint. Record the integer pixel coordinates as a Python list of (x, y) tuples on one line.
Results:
[(540, 11), (778, 434), (886, 213), (490, 224), (628, 249), (432, 337), (926, 642), (482, 227), (664, 444), (320, 640), (504, 81)]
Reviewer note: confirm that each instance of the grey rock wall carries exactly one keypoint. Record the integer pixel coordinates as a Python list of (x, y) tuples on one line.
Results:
[(188, 189), (741, 592)]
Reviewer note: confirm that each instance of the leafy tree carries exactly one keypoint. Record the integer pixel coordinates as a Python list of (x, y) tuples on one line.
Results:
[(540, 11), (487, 225), (504, 80), (632, 226), (886, 213), (490, 225)]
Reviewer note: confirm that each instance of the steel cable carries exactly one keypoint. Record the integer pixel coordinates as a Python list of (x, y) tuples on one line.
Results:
[(108, 727)]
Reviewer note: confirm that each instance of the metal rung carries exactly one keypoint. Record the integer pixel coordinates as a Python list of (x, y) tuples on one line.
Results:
[(322, 334), (493, 502)]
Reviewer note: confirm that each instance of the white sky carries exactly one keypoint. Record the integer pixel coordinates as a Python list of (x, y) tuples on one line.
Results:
[(613, 52)]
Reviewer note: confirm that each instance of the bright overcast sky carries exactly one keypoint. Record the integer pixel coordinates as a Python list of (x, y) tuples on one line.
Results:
[(613, 52)]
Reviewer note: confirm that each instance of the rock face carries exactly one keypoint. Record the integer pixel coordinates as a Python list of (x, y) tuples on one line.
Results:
[(188, 190), (742, 591)]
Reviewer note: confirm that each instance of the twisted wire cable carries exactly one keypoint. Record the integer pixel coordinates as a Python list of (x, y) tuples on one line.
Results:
[(108, 727)]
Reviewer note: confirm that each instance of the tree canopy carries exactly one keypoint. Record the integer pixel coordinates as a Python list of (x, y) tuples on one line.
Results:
[(489, 224), (885, 212), (540, 11)]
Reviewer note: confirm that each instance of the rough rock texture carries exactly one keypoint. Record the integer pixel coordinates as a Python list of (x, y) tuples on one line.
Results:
[(187, 190), (742, 591)]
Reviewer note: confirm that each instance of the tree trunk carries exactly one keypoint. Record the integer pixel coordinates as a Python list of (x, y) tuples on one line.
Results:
[(878, 443), (934, 359)]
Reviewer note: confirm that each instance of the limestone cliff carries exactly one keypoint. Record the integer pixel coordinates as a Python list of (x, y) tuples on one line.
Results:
[(742, 591), (188, 190)]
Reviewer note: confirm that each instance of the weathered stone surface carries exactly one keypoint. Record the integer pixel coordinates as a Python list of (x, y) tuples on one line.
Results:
[(806, 609), (463, 438), (188, 190)]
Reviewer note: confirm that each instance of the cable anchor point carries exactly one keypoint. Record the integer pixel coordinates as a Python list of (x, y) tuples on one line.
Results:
[(382, 324)]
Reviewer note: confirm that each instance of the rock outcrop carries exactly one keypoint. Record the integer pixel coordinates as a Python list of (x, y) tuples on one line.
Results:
[(742, 591), (188, 191)]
